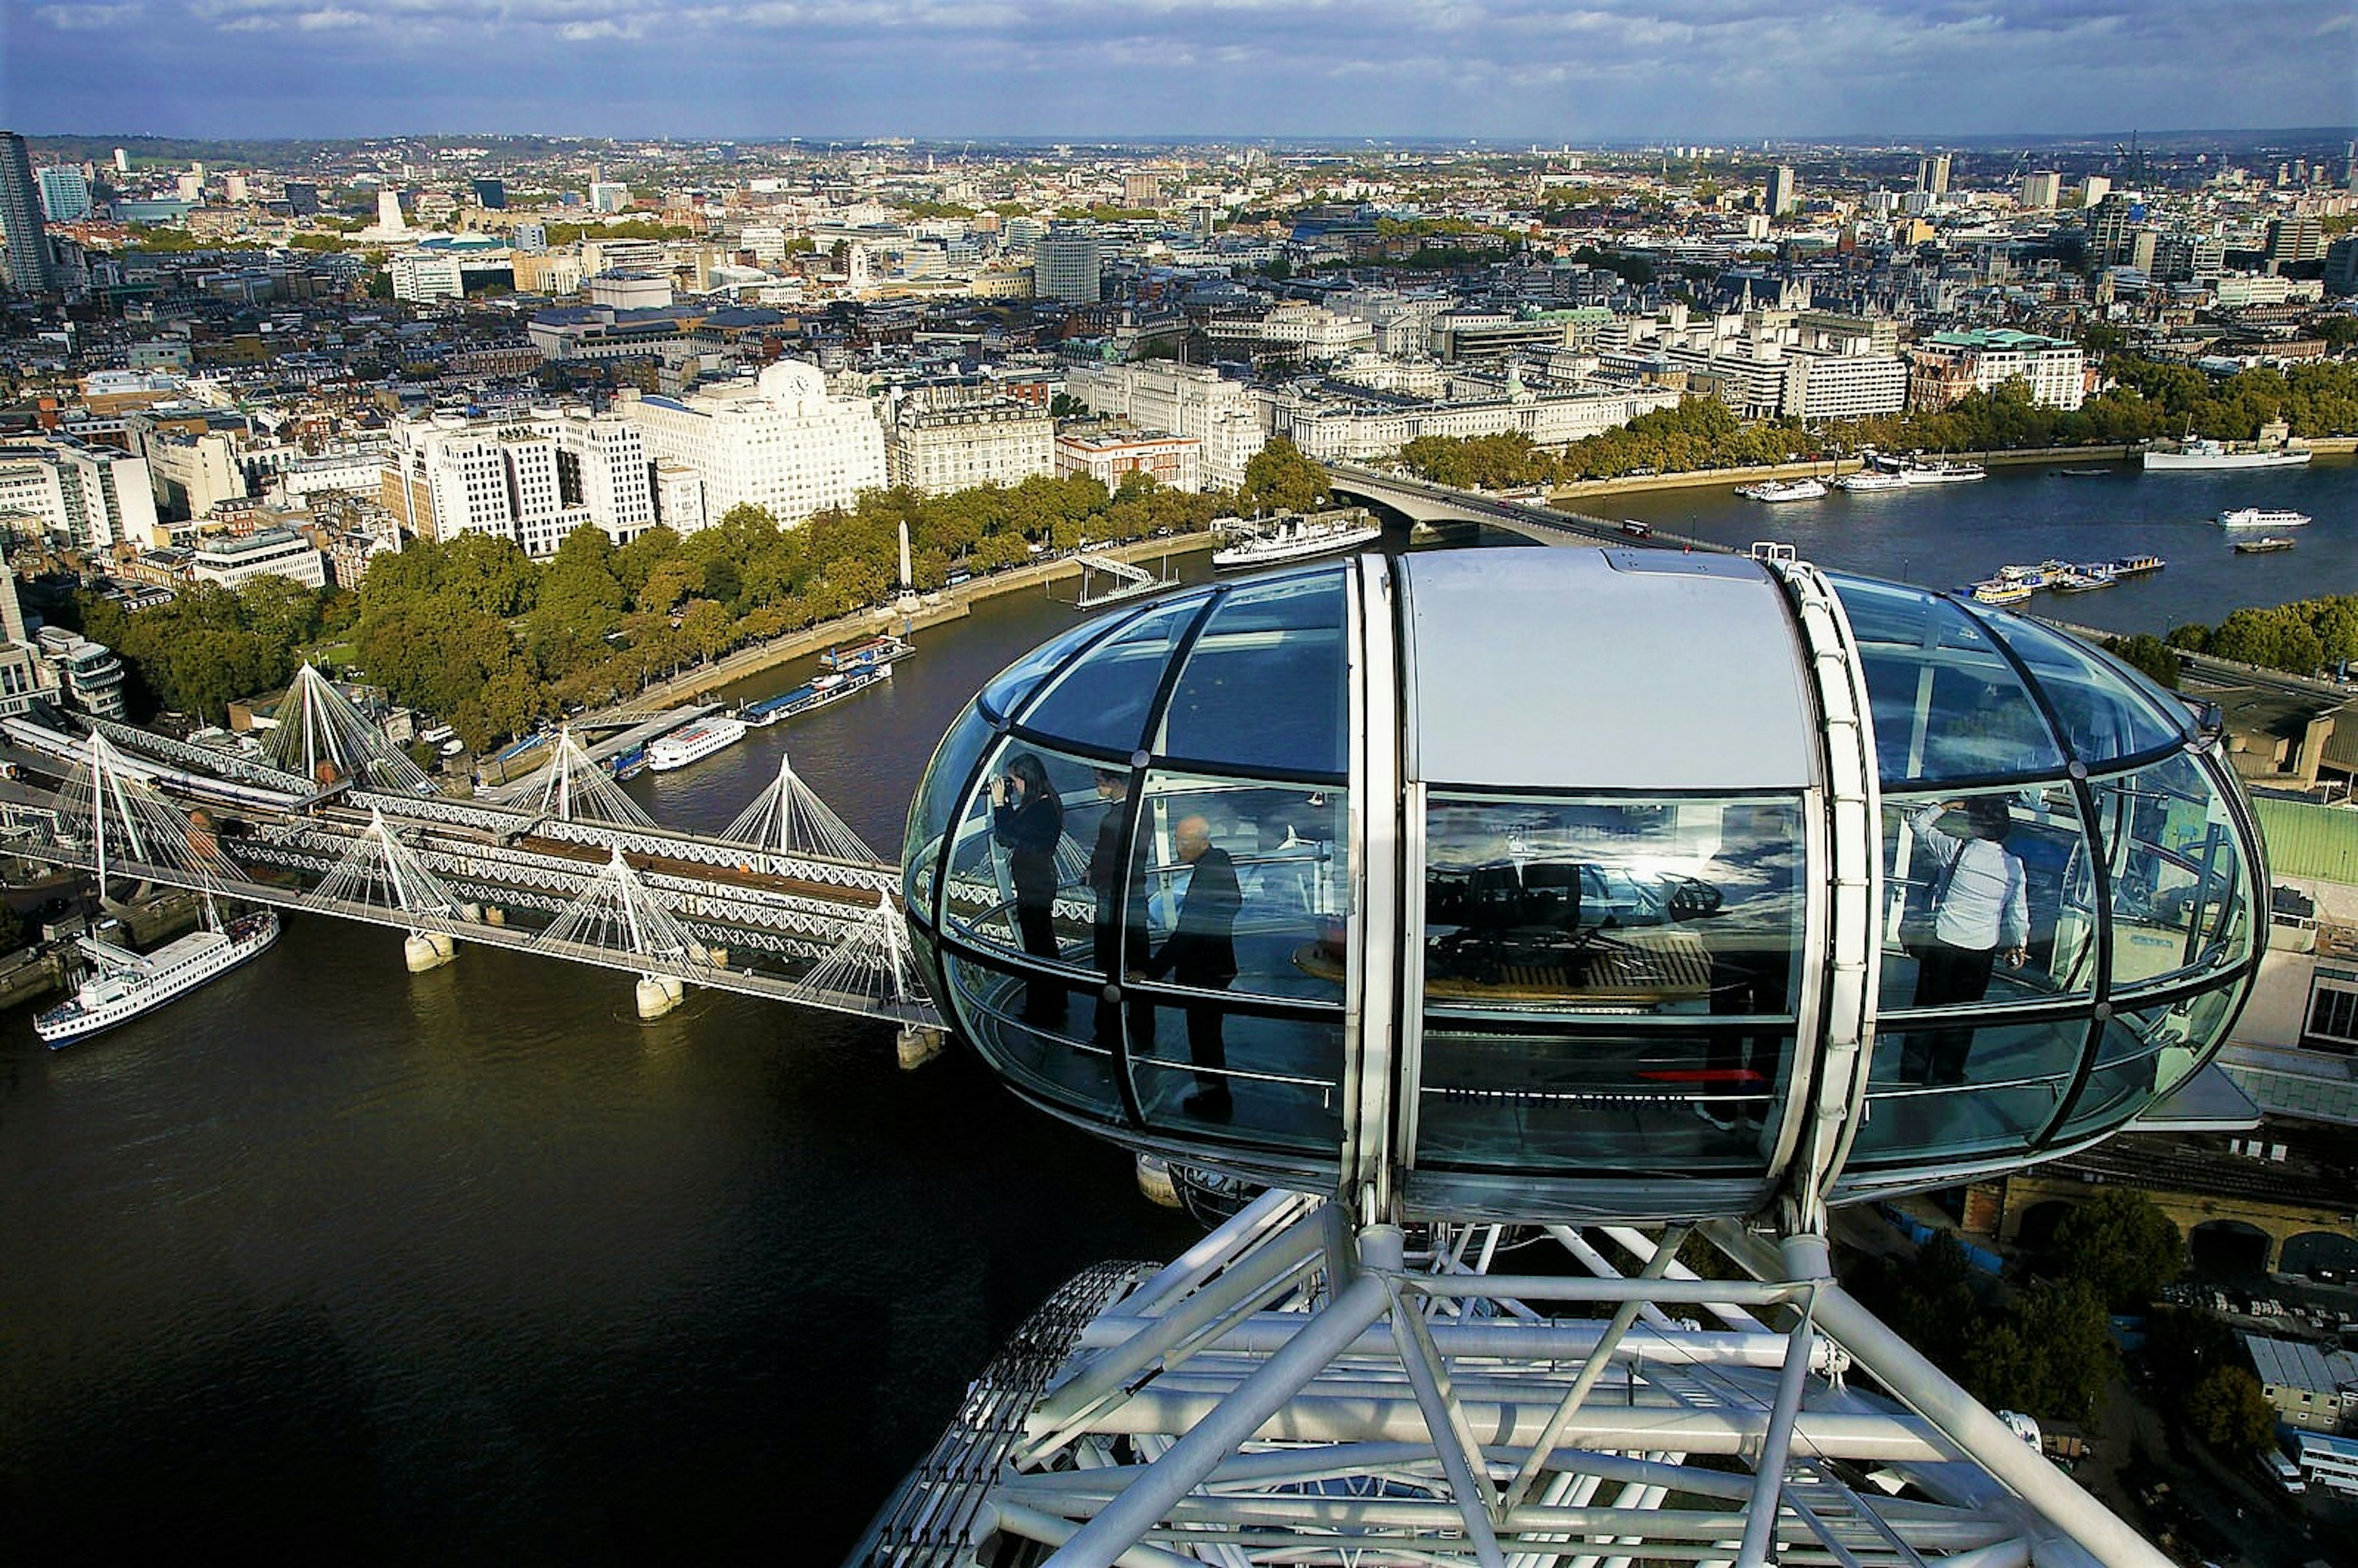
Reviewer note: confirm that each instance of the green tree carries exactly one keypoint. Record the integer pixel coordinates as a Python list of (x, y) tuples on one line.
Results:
[(2229, 1412), (1280, 479), (2148, 653), (2122, 1246)]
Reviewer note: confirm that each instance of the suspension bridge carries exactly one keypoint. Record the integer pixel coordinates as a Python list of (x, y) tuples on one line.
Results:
[(785, 904)]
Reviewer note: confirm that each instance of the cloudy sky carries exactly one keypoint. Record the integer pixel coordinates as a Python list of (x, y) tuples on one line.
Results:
[(1515, 68)]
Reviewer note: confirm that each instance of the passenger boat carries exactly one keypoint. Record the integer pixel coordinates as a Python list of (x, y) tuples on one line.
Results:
[(874, 654), (1294, 538), (1942, 474), (2268, 544), (2136, 566), (1784, 490), (2261, 517), (2000, 591), (818, 692), (2085, 577), (1871, 479), (2201, 452), (692, 743), (2083, 473), (126, 984)]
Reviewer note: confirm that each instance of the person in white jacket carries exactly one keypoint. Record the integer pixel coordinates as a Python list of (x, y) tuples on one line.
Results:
[(1981, 917)]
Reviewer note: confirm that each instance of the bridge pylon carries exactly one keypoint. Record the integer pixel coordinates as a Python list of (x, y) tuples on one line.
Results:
[(789, 818), (123, 822), (874, 962), (616, 913), (379, 871), (326, 739), (578, 787)]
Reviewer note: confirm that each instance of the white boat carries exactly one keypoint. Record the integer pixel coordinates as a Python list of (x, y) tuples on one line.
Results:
[(692, 743), (2201, 452), (2001, 590), (1784, 490), (125, 984), (818, 692), (1872, 479), (1942, 474), (1294, 538), (2261, 517)]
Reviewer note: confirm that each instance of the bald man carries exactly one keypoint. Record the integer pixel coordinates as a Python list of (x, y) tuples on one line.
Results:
[(1199, 953)]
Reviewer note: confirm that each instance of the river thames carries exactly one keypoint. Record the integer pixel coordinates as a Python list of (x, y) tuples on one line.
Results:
[(331, 1260)]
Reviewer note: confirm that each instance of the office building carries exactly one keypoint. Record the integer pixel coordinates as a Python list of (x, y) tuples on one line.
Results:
[(2042, 191), (87, 675), (93, 497), (302, 198), (23, 248), (232, 561), (609, 196), (2296, 237), (531, 478), (389, 219), (1932, 174), (65, 192), (1108, 455), (2093, 189), (491, 195), (1784, 191), (123, 160), (779, 442), (1948, 363), (1066, 264)]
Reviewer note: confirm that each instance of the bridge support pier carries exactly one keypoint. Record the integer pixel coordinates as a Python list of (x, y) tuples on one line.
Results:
[(427, 950), (658, 994), (1154, 1183), (917, 1045)]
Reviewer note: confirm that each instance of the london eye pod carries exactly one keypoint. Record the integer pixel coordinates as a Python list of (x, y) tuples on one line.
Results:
[(1575, 892), (1593, 884)]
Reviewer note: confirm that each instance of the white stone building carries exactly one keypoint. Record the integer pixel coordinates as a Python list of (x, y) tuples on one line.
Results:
[(1187, 400), (96, 496), (231, 560), (779, 442), (531, 478), (940, 445), (2054, 368)]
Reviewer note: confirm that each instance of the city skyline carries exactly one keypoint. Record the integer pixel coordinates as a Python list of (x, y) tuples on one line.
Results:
[(1500, 69)]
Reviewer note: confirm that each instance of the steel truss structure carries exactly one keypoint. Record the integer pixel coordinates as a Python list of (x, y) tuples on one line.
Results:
[(1297, 1390)]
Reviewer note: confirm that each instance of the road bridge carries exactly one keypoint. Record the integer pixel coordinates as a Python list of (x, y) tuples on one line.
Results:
[(1421, 501)]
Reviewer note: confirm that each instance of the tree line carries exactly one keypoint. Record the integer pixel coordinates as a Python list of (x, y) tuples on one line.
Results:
[(2149, 400), (473, 631)]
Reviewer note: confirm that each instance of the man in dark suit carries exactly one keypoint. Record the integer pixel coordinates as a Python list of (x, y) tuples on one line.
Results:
[(1200, 953)]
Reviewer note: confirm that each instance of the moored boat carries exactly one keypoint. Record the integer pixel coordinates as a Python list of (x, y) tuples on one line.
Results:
[(2001, 590), (692, 743), (872, 654), (1783, 490), (2268, 544), (2083, 578), (2261, 517), (818, 692), (1294, 538), (1869, 480), (2135, 566), (1942, 474), (2201, 452), (126, 984)]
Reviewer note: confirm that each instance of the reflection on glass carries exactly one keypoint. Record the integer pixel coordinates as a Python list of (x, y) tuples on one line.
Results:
[(1102, 698), (1554, 1100), (1012, 687), (2142, 1055), (2178, 898), (989, 1004), (931, 809), (2017, 1077), (1286, 848), (2106, 716), (1610, 906), (1264, 685), (1271, 1080), (1947, 703), (1989, 898)]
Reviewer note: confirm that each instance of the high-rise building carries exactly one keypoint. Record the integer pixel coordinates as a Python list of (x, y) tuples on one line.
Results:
[(2296, 237), (65, 192), (1932, 174), (609, 196), (2042, 191), (1784, 191), (1066, 266), (491, 194), (302, 198), (25, 258), (123, 160), (2111, 222), (388, 211)]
